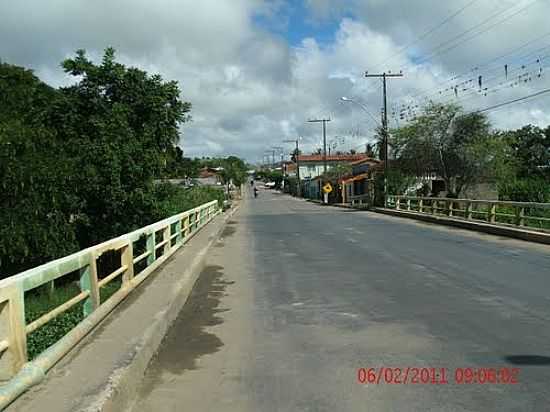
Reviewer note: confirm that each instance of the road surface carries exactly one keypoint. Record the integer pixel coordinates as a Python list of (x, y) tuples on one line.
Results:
[(297, 297)]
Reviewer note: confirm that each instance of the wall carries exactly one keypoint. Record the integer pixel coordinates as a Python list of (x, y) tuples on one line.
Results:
[(311, 170)]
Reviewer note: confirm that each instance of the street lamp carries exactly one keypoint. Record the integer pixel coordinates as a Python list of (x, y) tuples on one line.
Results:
[(362, 106), (384, 128)]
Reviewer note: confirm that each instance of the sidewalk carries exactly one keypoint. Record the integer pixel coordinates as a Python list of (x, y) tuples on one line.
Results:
[(102, 371)]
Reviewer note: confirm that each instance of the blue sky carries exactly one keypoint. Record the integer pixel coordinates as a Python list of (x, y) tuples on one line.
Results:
[(294, 22)]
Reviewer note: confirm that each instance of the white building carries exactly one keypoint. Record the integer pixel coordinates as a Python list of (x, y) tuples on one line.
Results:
[(312, 166)]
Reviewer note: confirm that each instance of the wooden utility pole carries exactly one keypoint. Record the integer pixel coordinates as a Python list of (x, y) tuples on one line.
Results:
[(297, 155), (324, 121), (385, 132)]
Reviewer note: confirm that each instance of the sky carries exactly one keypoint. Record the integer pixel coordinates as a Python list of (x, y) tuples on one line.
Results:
[(256, 71)]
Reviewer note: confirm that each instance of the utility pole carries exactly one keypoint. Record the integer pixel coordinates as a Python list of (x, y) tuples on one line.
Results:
[(324, 121), (297, 157), (385, 132)]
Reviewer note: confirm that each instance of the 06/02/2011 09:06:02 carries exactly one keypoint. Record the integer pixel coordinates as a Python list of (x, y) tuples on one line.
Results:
[(438, 376)]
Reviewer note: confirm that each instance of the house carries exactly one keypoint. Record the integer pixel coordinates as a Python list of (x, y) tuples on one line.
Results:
[(289, 169), (209, 176), (311, 188), (312, 165), (359, 187)]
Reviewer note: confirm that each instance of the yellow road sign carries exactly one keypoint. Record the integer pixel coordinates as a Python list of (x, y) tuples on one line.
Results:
[(327, 188)]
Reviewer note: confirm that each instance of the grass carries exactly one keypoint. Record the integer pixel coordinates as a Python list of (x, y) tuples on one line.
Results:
[(39, 302)]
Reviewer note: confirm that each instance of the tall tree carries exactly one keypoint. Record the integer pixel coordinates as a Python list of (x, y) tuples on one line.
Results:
[(119, 122), (35, 201), (447, 142), (77, 164)]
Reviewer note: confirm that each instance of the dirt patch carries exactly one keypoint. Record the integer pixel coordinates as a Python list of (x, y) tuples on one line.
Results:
[(187, 340)]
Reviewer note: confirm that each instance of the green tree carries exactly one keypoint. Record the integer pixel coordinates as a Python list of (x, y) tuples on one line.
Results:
[(531, 150), (447, 142), (119, 123), (77, 164), (37, 209)]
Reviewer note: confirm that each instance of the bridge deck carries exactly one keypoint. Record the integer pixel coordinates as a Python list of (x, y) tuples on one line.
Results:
[(297, 297)]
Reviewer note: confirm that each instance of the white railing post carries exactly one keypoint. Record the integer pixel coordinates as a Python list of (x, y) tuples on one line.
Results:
[(127, 259), (166, 238), (492, 212), (12, 332), (178, 231), (150, 245), (408, 204), (397, 203), (468, 213), (421, 205), (187, 226), (520, 213)]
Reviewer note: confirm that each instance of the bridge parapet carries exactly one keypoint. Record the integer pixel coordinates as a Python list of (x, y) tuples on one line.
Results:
[(528, 215), (158, 242)]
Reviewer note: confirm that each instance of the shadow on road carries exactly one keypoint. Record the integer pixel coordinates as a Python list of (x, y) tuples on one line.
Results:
[(534, 360)]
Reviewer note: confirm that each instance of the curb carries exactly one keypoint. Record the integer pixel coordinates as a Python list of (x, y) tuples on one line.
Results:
[(528, 235), (120, 391)]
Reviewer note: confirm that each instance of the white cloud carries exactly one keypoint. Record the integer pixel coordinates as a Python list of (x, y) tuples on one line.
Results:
[(250, 89)]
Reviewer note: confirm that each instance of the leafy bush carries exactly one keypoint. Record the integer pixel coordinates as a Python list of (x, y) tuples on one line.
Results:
[(171, 199), (525, 190)]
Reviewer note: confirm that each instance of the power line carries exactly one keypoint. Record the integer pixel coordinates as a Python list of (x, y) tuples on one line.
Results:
[(466, 88), (526, 75), (496, 69), (487, 63), (497, 106), (441, 49), (427, 33)]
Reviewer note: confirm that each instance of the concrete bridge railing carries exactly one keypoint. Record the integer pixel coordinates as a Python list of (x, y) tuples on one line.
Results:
[(158, 242), (528, 215)]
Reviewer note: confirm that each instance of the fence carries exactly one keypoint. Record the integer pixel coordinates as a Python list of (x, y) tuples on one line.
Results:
[(535, 216), (360, 201), (158, 241)]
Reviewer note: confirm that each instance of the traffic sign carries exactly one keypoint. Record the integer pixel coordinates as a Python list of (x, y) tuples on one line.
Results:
[(327, 188)]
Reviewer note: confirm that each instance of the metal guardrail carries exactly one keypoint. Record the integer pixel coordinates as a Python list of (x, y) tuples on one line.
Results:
[(14, 368), (531, 215), (360, 200)]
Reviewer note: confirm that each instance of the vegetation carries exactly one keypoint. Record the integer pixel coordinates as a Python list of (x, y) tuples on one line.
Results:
[(275, 176), (79, 165), (446, 142), (463, 150), (337, 172), (178, 166), (39, 303), (233, 170)]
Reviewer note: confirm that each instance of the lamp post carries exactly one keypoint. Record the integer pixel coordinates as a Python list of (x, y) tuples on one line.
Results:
[(384, 129)]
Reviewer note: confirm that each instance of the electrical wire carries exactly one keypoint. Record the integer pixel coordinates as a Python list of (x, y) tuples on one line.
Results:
[(426, 34), (520, 99), (441, 50)]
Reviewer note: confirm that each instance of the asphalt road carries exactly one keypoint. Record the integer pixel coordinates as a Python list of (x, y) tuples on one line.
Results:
[(297, 297)]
